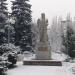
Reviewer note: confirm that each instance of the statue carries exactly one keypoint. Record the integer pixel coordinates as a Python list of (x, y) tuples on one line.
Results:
[(43, 51)]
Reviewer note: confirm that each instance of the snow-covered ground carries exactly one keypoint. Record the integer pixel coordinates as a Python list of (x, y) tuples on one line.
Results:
[(67, 68), (40, 70)]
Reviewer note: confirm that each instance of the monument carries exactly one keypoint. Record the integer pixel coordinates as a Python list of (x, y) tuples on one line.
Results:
[(43, 52)]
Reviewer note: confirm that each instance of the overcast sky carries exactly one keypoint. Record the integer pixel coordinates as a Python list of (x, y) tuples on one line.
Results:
[(52, 8)]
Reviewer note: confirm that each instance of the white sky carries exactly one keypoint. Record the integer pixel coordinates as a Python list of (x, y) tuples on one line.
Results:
[(52, 8)]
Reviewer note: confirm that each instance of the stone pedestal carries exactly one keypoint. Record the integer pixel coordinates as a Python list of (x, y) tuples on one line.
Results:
[(43, 52)]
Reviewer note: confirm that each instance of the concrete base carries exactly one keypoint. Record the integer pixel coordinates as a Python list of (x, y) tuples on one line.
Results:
[(43, 53), (43, 63)]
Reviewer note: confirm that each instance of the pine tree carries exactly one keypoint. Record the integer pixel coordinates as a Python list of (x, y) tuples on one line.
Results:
[(21, 11), (3, 13), (68, 42), (3, 19)]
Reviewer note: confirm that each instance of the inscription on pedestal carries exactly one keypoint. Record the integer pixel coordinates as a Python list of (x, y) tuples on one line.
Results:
[(43, 48)]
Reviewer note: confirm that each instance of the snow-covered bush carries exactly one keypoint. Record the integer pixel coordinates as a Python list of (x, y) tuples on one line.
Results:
[(5, 48)]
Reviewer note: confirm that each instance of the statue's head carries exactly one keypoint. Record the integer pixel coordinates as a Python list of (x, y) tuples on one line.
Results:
[(43, 15)]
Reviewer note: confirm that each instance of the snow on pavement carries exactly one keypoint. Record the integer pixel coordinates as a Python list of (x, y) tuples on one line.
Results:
[(38, 70)]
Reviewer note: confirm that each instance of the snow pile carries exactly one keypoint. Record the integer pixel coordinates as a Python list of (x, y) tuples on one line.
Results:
[(28, 56), (58, 56)]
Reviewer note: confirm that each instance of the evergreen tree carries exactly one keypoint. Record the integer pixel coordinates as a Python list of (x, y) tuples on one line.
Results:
[(68, 42), (3, 19), (21, 11), (3, 13)]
